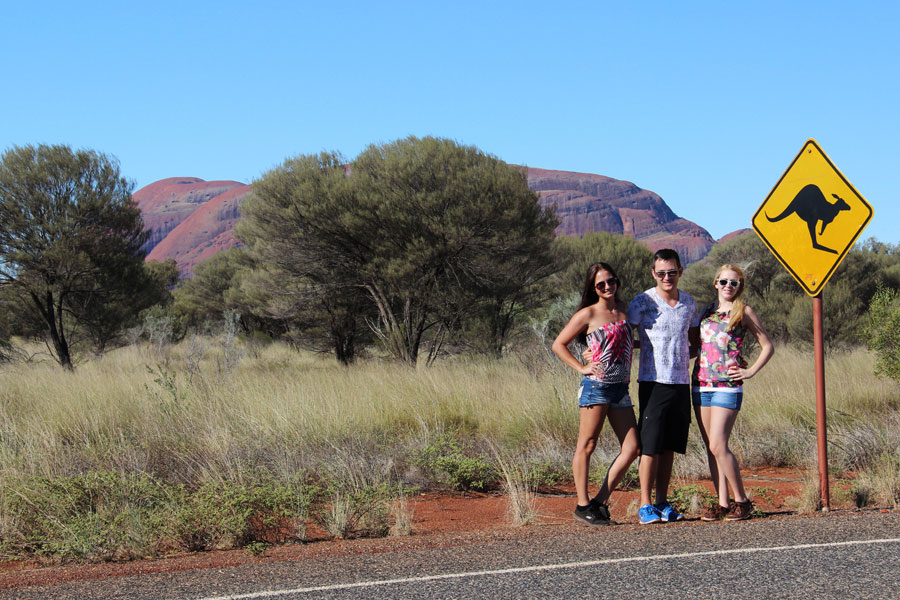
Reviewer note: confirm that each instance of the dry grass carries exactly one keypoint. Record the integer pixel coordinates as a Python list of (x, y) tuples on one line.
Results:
[(809, 498), (356, 438), (401, 516), (178, 415)]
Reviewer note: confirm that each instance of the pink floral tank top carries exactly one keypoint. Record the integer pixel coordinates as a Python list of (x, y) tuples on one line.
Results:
[(719, 349), (611, 346)]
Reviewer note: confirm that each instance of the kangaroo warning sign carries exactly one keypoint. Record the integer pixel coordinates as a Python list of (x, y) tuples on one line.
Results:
[(811, 218)]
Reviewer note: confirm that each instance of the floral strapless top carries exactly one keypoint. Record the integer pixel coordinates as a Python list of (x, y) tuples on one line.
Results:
[(719, 350), (611, 346)]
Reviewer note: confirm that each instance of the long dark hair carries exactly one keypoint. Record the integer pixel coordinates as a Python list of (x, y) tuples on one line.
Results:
[(589, 295)]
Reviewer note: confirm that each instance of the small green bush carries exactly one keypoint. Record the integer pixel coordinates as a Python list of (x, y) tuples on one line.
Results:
[(448, 462), (547, 474), (96, 516), (227, 514), (106, 515), (691, 498), (883, 332), (357, 511)]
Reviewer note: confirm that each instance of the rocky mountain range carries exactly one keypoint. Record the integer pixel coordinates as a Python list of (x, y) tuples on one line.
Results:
[(191, 219)]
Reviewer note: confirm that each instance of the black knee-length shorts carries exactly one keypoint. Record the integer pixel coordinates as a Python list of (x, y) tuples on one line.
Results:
[(665, 416)]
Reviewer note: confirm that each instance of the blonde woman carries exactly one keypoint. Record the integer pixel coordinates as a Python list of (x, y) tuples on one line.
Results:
[(719, 374)]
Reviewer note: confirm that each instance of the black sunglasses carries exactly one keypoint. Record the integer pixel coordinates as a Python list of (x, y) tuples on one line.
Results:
[(731, 282), (664, 274), (608, 283)]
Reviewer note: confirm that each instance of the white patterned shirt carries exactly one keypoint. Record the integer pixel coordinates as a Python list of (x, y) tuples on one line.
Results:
[(663, 331)]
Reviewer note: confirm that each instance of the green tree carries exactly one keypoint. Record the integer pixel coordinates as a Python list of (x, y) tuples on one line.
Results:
[(786, 311), (423, 227), (631, 260), (883, 332), (6, 347), (141, 286), (508, 278), (70, 237), (842, 315), (299, 228), (203, 296), (450, 221), (321, 318)]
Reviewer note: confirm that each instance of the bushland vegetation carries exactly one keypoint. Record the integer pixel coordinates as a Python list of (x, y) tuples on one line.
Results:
[(71, 265), (214, 442), (383, 327)]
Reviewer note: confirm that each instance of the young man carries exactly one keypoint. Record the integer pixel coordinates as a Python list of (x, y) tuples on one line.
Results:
[(665, 319)]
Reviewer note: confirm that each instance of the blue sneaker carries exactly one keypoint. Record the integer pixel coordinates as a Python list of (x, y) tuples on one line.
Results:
[(668, 513), (648, 514)]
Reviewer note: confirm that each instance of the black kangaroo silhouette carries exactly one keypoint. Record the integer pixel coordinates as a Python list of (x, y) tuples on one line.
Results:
[(811, 205)]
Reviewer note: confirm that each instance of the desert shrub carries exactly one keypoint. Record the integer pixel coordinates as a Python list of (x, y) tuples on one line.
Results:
[(547, 474), (879, 482), (842, 311), (107, 515), (6, 349), (157, 327), (883, 332), (449, 462), (229, 514), (100, 515), (353, 510), (691, 499)]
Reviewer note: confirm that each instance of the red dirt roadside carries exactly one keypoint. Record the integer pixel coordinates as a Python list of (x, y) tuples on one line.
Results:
[(438, 520)]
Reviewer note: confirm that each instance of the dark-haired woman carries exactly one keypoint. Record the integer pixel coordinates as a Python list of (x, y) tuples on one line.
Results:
[(600, 324), (719, 374)]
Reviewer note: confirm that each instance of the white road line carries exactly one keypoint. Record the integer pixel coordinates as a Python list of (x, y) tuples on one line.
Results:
[(572, 565)]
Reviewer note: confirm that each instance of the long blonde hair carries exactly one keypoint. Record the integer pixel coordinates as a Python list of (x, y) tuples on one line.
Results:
[(737, 306)]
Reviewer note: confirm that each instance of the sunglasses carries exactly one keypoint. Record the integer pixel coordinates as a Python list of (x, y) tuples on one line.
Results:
[(729, 282), (608, 283), (664, 274)]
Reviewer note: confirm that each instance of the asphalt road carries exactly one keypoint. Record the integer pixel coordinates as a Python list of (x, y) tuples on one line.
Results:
[(838, 555)]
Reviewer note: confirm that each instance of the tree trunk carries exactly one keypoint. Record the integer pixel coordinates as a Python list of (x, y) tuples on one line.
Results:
[(53, 318)]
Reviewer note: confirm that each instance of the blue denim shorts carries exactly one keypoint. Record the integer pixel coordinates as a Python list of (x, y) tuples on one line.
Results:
[(722, 399), (592, 393)]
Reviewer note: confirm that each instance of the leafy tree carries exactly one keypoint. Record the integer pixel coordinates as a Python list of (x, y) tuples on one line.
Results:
[(509, 279), (424, 227), (267, 301), (103, 319), (450, 220), (70, 237), (203, 296), (631, 260), (6, 348), (883, 332), (842, 314), (318, 317), (296, 230), (868, 266)]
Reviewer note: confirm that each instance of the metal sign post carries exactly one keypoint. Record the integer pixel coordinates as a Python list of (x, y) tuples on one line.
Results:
[(812, 196), (821, 429)]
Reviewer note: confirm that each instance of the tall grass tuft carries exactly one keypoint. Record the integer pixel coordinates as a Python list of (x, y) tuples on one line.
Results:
[(522, 503)]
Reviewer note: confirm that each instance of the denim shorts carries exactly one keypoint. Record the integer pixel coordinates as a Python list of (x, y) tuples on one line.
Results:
[(592, 393), (722, 399)]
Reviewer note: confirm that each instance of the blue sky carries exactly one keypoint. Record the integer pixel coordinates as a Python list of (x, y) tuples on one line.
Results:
[(704, 103)]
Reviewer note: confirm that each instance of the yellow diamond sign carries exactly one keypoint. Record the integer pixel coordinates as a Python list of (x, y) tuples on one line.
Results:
[(811, 218)]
